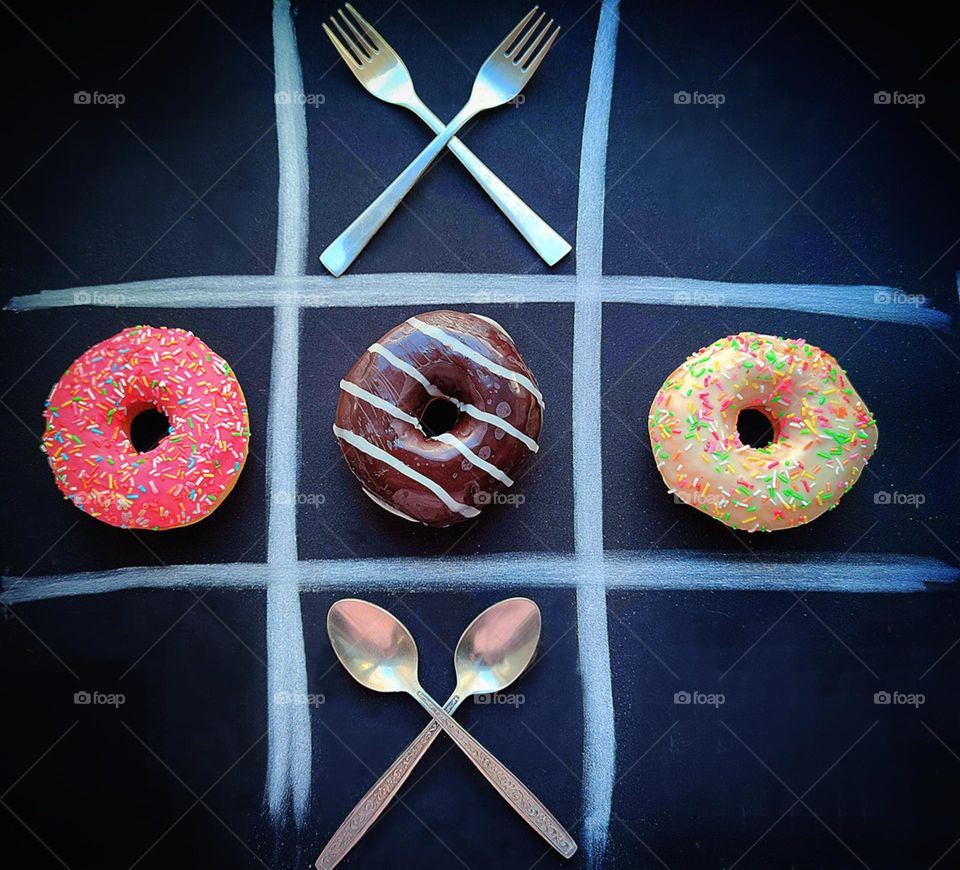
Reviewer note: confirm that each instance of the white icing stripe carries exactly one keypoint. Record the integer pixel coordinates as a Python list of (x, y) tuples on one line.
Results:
[(446, 437), (365, 446), (499, 422), (494, 324), (405, 367), (458, 346), (378, 402), (488, 467), (467, 408), (386, 505)]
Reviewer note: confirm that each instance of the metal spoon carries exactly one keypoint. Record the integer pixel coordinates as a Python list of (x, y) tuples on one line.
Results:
[(378, 651), (491, 653)]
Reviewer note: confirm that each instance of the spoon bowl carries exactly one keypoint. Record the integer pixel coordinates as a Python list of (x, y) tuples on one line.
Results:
[(379, 652), (373, 645), (497, 647)]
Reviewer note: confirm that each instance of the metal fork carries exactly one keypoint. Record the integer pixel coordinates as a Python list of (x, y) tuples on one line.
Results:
[(502, 76), (383, 73)]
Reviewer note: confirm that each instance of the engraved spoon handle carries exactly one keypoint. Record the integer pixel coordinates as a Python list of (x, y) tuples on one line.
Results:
[(514, 792), (375, 801)]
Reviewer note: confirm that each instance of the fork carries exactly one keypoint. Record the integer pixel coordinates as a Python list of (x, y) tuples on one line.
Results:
[(383, 73), (502, 76)]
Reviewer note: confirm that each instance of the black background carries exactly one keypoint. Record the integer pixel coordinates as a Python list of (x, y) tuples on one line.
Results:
[(696, 786)]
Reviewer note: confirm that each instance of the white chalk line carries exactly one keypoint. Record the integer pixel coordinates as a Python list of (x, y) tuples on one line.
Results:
[(626, 570), (289, 755), (599, 738), (423, 289)]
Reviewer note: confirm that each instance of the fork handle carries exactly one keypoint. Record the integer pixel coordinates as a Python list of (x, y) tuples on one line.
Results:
[(375, 801), (511, 789), (546, 241), (343, 250)]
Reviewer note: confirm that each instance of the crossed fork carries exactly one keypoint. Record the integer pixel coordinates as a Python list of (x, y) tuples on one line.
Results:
[(501, 78)]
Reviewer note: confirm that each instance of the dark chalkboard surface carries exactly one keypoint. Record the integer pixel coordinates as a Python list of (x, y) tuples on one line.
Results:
[(798, 175)]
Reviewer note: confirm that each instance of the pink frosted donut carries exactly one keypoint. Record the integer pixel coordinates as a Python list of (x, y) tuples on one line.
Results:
[(192, 469)]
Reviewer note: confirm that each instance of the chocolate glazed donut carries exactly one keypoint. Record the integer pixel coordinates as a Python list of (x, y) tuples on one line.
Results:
[(438, 417)]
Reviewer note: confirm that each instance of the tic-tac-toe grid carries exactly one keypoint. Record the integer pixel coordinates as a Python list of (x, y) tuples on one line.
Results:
[(589, 568)]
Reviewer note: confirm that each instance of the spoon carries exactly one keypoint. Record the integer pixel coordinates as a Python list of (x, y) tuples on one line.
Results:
[(378, 651), (492, 652)]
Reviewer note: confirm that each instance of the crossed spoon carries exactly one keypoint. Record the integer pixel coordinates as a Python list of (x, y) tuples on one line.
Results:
[(379, 652)]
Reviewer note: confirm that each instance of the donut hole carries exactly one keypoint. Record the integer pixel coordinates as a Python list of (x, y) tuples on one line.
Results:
[(148, 426), (757, 427), (439, 415)]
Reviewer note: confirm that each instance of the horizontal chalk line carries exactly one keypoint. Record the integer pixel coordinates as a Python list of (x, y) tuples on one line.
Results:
[(422, 289), (627, 570)]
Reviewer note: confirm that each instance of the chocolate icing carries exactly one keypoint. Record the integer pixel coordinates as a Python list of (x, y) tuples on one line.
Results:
[(452, 372)]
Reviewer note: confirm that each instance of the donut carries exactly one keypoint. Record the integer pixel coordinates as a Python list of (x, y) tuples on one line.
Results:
[(465, 365), (189, 473), (823, 433)]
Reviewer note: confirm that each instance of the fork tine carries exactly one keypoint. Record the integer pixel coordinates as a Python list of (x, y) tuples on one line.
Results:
[(523, 39), (362, 38), (513, 34), (532, 68), (361, 55), (533, 46), (346, 55), (369, 30)]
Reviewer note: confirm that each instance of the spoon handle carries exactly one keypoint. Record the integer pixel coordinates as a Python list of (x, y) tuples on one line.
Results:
[(514, 791), (375, 801)]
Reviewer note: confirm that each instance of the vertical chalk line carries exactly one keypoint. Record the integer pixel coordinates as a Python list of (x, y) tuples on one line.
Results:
[(599, 740), (289, 756)]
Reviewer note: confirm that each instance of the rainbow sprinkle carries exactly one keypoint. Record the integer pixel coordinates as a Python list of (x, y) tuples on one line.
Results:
[(87, 435), (823, 432)]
